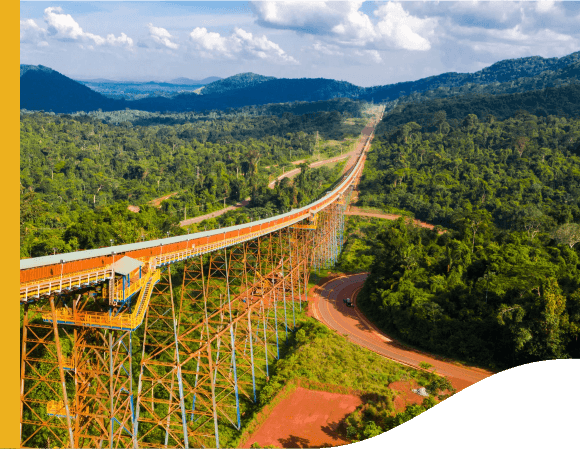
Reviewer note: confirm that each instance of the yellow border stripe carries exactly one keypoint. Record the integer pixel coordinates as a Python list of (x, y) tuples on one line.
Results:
[(9, 326)]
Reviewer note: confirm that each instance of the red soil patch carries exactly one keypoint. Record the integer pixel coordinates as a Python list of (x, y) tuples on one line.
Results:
[(306, 418), (404, 394)]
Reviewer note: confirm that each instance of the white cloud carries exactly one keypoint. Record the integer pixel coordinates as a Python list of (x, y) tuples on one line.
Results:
[(240, 44), (341, 20), (210, 43), (522, 26), (402, 30), (502, 15), (63, 27), (368, 56), (327, 49), (344, 24), (492, 14), (307, 17), (543, 6), (470, 31), (161, 37), (31, 33), (515, 42)]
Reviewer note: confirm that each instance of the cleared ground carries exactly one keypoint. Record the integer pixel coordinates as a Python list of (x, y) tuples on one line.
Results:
[(306, 418)]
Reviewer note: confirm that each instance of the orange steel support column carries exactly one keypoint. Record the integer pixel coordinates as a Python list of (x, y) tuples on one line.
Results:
[(242, 265), (195, 356), (44, 416), (160, 410), (104, 388), (219, 299), (259, 334)]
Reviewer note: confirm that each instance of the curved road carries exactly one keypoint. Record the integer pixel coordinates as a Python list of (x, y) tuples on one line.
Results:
[(329, 308)]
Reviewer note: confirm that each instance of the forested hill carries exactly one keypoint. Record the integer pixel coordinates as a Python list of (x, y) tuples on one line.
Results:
[(502, 286), (560, 101), (271, 91), (502, 72), (42, 88), (48, 90), (517, 75), (238, 81)]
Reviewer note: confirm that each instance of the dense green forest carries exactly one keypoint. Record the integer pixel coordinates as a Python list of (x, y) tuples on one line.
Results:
[(251, 120), (79, 175), (560, 101), (502, 286)]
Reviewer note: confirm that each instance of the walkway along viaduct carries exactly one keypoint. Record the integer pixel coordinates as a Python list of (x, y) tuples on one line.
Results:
[(205, 341)]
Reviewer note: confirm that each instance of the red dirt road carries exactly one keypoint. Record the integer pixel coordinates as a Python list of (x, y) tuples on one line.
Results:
[(306, 418), (295, 171), (330, 308), (352, 155), (361, 213), (214, 214)]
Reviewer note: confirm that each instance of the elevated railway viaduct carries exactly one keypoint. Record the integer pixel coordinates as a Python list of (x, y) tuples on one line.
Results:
[(203, 336)]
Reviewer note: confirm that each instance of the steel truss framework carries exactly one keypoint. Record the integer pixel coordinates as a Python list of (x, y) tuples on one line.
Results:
[(206, 335), (214, 327)]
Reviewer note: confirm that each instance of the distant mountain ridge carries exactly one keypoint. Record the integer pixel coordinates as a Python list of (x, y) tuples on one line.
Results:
[(181, 80), (53, 91), (501, 72), (189, 81)]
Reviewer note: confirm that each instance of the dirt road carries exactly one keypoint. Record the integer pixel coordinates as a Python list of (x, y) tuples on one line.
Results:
[(295, 171), (330, 308), (217, 213), (352, 155), (356, 211)]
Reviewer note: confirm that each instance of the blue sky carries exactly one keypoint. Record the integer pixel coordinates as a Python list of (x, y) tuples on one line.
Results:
[(366, 43)]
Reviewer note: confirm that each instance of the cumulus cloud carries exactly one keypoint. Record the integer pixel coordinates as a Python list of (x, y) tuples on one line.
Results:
[(63, 27), (560, 16), (343, 23), (327, 49), (341, 20), (31, 33), (515, 41), (547, 29), (161, 37), (501, 29), (402, 30), (368, 56), (307, 17), (240, 44)]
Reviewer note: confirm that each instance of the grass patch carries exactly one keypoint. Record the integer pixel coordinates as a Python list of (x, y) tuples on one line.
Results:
[(385, 210), (319, 358)]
